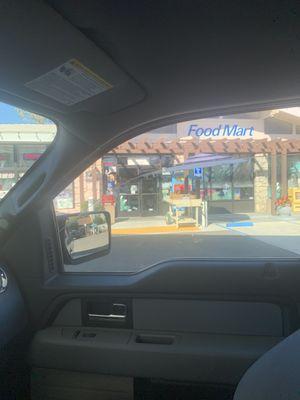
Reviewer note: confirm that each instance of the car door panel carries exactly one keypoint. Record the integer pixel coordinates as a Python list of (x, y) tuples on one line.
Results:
[(53, 384), (182, 314), (204, 336), (182, 357), (205, 279), (219, 317)]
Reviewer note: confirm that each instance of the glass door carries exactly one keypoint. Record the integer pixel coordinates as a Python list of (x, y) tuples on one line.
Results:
[(129, 202), (220, 188), (150, 185)]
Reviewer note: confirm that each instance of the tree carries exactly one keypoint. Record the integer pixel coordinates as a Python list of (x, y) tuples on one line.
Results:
[(32, 118)]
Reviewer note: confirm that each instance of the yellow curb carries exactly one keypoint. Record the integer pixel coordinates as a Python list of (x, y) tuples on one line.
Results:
[(154, 229)]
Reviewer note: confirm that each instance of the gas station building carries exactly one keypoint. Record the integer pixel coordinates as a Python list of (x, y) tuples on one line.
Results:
[(135, 178)]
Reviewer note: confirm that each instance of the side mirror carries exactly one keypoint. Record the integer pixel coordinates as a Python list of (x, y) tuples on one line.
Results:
[(84, 236)]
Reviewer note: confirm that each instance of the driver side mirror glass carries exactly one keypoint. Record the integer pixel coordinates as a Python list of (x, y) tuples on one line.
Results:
[(84, 236)]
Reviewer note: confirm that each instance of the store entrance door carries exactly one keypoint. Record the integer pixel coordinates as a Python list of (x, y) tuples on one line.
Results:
[(149, 198), (129, 192), (139, 195)]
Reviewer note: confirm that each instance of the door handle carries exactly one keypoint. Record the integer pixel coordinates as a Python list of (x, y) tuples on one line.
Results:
[(106, 317), (119, 313)]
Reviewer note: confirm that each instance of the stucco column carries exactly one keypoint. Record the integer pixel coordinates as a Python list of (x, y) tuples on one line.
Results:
[(284, 174), (94, 182), (81, 188), (261, 183), (273, 181)]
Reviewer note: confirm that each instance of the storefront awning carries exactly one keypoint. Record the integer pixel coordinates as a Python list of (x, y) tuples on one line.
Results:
[(206, 160)]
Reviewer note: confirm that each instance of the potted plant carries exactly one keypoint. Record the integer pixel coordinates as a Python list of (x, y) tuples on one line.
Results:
[(283, 206)]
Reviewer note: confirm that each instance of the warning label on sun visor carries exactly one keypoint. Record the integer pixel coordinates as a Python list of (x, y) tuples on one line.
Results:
[(70, 83)]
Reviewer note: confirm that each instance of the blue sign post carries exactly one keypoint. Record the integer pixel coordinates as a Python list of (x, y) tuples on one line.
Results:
[(198, 172)]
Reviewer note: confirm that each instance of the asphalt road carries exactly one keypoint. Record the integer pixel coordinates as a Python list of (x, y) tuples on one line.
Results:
[(134, 253)]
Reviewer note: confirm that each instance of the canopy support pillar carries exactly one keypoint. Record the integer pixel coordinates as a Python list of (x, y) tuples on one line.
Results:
[(273, 181)]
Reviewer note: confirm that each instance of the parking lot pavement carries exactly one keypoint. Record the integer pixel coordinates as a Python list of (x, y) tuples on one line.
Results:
[(132, 253)]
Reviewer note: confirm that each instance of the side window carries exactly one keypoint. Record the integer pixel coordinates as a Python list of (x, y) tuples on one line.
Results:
[(199, 188), (24, 137)]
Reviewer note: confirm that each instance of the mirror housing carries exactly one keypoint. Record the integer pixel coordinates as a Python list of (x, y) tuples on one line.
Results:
[(84, 236)]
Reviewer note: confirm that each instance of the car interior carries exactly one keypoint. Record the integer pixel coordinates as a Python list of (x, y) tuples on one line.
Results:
[(182, 328)]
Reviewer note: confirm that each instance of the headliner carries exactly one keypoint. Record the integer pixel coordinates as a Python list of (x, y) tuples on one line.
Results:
[(169, 59)]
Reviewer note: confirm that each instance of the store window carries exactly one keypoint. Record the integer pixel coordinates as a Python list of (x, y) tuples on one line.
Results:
[(7, 156), (65, 200), (24, 137), (275, 126), (294, 171), (28, 154), (221, 182), (229, 182), (7, 181), (243, 181), (128, 180)]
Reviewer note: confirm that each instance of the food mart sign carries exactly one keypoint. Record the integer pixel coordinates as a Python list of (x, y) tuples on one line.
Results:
[(224, 130), (219, 128)]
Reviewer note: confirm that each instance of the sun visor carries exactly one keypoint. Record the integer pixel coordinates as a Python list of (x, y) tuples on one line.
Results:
[(58, 67)]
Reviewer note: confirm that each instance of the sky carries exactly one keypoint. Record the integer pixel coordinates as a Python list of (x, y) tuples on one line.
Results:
[(9, 115)]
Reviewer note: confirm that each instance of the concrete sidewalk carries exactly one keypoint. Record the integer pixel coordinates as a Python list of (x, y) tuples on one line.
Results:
[(147, 225), (156, 225)]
